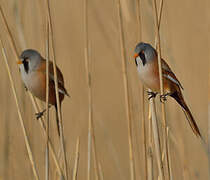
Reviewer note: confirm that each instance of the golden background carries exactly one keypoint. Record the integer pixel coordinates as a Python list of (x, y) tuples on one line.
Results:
[(184, 45)]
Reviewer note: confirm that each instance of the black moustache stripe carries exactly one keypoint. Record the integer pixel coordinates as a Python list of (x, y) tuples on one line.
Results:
[(142, 56), (143, 62), (25, 64)]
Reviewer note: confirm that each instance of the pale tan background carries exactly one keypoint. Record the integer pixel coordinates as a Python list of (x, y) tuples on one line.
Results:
[(185, 46)]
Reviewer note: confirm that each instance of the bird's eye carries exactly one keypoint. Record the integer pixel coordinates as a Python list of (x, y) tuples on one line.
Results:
[(25, 59)]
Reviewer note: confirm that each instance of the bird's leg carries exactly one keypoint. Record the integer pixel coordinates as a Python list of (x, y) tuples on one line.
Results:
[(40, 114), (25, 88), (163, 97), (151, 94)]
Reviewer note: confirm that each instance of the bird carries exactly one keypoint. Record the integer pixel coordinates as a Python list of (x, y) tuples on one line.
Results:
[(146, 60), (33, 73)]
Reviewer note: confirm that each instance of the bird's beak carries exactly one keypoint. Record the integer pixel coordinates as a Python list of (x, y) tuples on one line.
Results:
[(19, 62), (136, 55)]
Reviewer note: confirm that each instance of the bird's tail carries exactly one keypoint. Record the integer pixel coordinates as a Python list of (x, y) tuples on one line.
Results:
[(57, 120), (179, 98)]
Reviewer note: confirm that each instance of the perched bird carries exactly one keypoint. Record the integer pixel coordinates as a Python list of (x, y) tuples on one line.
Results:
[(146, 60), (33, 72)]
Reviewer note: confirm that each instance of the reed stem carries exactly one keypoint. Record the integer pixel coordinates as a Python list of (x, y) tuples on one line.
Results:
[(75, 171), (165, 142), (91, 131), (35, 105), (47, 101), (127, 101), (31, 158), (62, 143)]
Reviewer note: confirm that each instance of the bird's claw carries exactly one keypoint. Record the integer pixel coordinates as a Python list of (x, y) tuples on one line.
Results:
[(163, 98), (26, 89), (151, 94), (39, 115)]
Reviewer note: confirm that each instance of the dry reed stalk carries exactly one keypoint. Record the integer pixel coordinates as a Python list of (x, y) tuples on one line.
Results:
[(149, 151), (169, 154), (47, 164), (96, 167), (127, 102), (159, 20), (42, 124), (35, 105), (19, 29), (47, 101), (101, 172), (91, 132), (138, 17), (8, 31), (89, 93), (156, 139), (165, 142), (97, 173), (209, 125), (33, 165), (75, 170), (182, 154), (146, 158), (62, 143), (89, 152)]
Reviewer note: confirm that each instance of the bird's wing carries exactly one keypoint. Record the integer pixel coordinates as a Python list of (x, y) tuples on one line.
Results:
[(167, 73), (61, 87)]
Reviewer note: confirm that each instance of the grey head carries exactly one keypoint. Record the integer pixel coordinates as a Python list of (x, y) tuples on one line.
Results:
[(146, 52), (30, 59)]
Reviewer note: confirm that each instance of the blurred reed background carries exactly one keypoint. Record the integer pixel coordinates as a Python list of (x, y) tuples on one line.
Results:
[(102, 46)]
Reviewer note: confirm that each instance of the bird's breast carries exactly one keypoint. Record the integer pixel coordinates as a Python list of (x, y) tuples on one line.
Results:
[(35, 83), (148, 74)]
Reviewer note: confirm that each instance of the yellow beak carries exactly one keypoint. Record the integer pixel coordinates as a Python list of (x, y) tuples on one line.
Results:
[(19, 62), (136, 55)]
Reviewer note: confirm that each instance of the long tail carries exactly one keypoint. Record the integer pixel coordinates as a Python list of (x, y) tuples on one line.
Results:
[(179, 98), (57, 119)]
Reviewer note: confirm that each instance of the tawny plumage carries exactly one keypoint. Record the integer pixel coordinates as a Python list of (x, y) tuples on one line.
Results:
[(33, 73), (147, 64), (41, 73)]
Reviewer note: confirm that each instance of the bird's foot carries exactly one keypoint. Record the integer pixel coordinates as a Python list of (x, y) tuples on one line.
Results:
[(26, 89), (39, 114), (151, 94), (163, 97)]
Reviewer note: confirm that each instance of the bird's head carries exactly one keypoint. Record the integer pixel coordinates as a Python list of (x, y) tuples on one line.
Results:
[(144, 53), (29, 59)]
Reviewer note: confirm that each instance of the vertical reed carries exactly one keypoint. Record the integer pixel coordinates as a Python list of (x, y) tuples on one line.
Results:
[(127, 102), (75, 170), (146, 158), (150, 150), (165, 142), (101, 172), (91, 132), (62, 143), (156, 139), (33, 165), (35, 105), (47, 100), (89, 151)]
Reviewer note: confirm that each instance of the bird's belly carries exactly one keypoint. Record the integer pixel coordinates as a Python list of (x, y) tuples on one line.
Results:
[(33, 82), (149, 77)]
